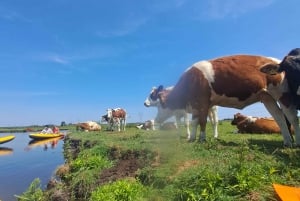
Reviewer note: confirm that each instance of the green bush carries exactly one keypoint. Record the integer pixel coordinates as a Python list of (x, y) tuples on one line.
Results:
[(121, 190), (33, 193)]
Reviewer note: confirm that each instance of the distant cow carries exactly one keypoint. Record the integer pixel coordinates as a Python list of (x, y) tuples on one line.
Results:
[(249, 124), (233, 81), (115, 117), (164, 113), (88, 126), (148, 125)]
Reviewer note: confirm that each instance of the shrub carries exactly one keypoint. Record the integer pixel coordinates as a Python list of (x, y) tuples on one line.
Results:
[(121, 190)]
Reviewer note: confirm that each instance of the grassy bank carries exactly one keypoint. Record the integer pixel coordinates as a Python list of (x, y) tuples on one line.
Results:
[(160, 165)]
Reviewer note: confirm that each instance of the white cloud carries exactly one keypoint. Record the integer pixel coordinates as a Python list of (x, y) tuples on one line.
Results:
[(58, 59), (11, 15), (23, 94), (219, 9), (125, 28)]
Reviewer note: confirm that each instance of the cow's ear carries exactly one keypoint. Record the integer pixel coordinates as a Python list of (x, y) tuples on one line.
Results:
[(160, 87), (270, 68)]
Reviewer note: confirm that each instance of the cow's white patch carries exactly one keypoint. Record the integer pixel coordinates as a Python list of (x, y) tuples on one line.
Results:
[(298, 91), (207, 69), (251, 119), (274, 59)]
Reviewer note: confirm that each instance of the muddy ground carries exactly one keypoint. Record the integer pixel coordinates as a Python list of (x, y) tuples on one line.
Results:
[(127, 163)]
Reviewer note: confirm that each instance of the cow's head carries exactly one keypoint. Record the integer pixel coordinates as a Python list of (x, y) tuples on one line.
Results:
[(152, 99), (237, 118), (290, 63)]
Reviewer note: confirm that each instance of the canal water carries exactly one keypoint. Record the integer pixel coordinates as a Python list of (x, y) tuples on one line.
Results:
[(22, 160)]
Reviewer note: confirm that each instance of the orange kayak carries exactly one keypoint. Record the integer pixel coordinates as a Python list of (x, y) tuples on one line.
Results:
[(287, 193)]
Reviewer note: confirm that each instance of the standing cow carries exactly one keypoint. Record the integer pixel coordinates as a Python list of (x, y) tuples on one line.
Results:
[(233, 81), (164, 113), (115, 117)]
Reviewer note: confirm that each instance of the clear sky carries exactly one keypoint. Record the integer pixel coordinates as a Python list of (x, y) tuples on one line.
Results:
[(69, 61)]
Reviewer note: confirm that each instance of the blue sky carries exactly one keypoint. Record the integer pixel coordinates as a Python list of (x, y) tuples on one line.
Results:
[(69, 61)]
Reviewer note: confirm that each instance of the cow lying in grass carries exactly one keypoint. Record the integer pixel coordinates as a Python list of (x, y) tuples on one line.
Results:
[(88, 126), (249, 124)]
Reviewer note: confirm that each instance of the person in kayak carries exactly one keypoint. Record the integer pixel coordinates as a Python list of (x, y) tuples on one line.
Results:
[(47, 129), (55, 129)]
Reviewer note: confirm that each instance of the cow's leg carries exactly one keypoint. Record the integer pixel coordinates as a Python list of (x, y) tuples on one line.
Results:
[(213, 118), (278, 115), (124, 124), (119, 124), (195, 122), (291, 115), (187, 124), (202, 122)]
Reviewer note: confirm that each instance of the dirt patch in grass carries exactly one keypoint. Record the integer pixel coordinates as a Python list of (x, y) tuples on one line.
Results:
[(127, 164), (183, 166)]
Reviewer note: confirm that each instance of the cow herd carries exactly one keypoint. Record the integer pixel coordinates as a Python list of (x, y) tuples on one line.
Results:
[(234, 81)]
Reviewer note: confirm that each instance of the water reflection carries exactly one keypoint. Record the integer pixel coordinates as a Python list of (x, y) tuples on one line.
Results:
[(22, 160), (5, 151), (45, 143)]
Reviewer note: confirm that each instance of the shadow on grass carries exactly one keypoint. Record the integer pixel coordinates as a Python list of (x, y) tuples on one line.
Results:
[(290, 156)]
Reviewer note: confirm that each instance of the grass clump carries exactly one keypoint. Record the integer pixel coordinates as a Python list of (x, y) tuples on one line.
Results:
[(33, 193), (121, 190)]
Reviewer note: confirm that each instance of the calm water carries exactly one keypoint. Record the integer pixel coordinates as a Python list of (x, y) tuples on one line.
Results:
[(22, 162)]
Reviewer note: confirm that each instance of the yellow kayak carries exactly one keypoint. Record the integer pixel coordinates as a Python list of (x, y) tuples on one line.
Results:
[(287, 193), (6, 138), (40, 136)]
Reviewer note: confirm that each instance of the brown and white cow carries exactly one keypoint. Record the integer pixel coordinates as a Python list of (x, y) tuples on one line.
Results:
[(232, 81), (249, 124), (115, 117), (165, 113), (88, 126)]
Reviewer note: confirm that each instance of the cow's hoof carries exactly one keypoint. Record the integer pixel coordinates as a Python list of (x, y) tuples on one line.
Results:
[(191, 140), (202, 140), (287, 146)]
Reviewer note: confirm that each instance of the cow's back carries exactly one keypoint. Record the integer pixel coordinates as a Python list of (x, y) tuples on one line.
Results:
[(231, 81)]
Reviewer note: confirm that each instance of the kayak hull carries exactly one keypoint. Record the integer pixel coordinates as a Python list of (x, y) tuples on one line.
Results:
[(42, 136), (287, 193), (5, 139)]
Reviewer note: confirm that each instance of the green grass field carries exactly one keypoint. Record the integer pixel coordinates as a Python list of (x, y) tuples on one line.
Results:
[(234, 167)]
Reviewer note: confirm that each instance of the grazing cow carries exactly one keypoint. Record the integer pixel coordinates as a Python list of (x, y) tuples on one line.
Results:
[(115, 117), (232, 81), (164, 113), (249, 124), (148, 125), (88, 126)]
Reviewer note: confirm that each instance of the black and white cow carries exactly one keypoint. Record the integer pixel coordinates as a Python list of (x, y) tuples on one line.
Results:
[(290, 65)]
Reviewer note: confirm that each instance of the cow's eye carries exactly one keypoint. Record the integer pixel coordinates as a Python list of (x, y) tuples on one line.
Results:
[(153, 95)]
